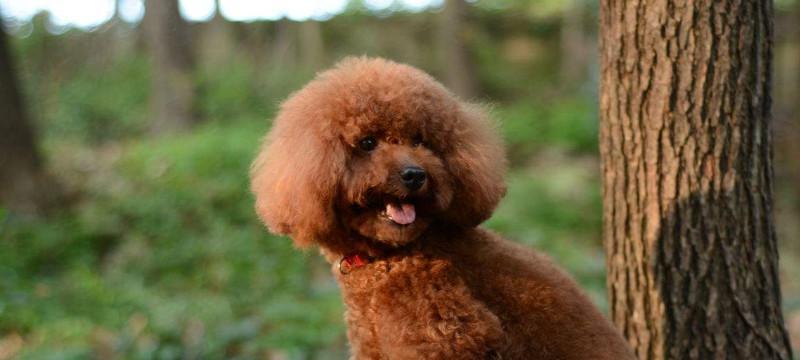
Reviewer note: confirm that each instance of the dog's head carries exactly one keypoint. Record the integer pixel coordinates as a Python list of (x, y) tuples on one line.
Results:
[(376, 150)]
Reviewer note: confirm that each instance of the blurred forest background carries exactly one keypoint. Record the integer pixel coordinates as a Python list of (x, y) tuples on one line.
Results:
[(144, 244)]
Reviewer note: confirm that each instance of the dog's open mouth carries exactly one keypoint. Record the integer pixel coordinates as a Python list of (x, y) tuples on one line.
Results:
[(400, 213), (391, 218), (399, 210)]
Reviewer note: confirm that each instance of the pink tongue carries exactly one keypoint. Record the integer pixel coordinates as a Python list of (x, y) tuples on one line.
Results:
[(403, 214)]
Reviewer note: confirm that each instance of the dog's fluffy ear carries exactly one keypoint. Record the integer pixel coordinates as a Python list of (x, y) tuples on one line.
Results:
[(476, 161), (295, 176)]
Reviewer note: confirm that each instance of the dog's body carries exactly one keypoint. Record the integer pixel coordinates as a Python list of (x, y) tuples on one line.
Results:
[(390, 175), (472, 295)]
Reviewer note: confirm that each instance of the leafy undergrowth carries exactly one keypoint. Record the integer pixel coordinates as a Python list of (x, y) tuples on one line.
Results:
[(164, 258), (532, 127)]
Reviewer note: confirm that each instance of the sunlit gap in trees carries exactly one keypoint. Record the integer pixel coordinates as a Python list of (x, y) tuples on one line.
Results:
[(90, 14)]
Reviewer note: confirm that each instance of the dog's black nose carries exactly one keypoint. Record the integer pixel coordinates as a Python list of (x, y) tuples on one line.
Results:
[(413, 177)]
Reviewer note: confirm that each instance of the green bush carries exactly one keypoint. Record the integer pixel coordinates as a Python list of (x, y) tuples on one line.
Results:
[(243, 90), (102, 104), (167, 240), (567, 124), (231, 93)]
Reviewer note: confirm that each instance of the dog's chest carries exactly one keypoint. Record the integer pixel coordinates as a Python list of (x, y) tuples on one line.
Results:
[(362, 312), (390, 303)]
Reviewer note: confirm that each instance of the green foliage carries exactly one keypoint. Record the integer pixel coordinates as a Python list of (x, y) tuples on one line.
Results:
[(169, 243), (76, 88), (230, 94), (104, 104), (529, 127)]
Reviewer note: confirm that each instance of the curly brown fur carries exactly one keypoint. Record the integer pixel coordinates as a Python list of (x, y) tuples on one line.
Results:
[(439, 287)]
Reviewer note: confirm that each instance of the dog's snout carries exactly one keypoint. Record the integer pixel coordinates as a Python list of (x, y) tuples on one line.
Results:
[(413, 177)]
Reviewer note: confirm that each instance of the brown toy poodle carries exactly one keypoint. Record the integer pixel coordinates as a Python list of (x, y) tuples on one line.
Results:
[(390, 175)]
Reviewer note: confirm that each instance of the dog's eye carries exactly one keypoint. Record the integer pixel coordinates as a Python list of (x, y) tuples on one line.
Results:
[(417, 141), (368, 143)]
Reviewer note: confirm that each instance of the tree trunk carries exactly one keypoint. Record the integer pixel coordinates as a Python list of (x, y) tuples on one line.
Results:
[(312, 48), (23, 184), (573, 45), (119, 37), (217, 44), (171, 63), (459, 72), (282, 51), (686, 146)]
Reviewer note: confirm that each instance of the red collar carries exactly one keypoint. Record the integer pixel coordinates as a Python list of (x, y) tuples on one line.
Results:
[(353, 261)]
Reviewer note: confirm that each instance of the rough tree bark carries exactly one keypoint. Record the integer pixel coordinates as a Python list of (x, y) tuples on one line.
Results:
[(686, 146), (172, 92), (459, 72), (24, 187)]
